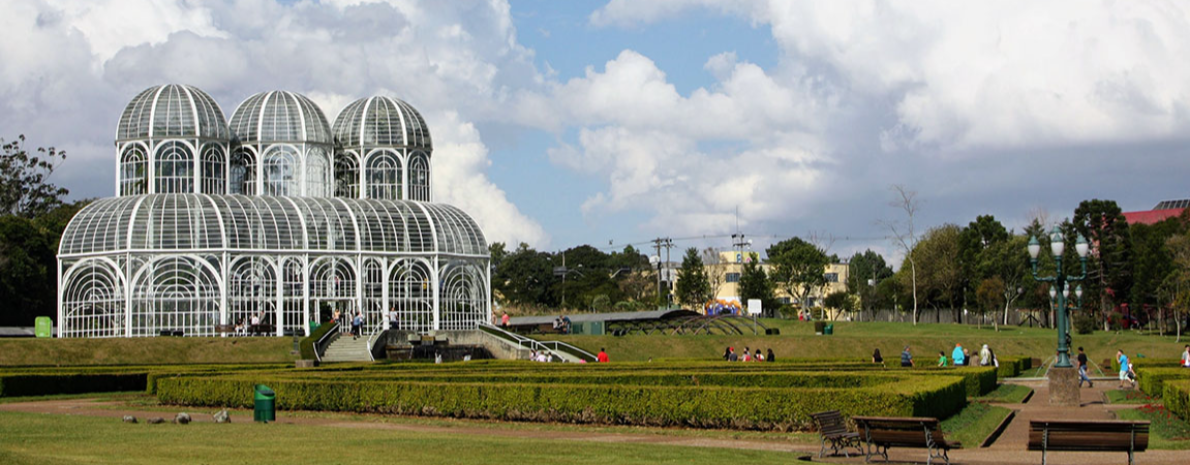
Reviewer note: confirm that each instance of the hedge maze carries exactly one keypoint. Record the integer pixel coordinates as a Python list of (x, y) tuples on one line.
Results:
[(756, 396)]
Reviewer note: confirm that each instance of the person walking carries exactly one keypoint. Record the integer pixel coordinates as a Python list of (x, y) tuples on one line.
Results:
[(985, 356), (906, 358), (1124, 368), (958, 356), (1082, 369), (941, 358), (357, 324)]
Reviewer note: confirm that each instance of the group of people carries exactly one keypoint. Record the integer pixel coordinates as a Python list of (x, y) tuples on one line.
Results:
[(562, 324), (960, 356), (250, 325), (356, 320), (747, 356)]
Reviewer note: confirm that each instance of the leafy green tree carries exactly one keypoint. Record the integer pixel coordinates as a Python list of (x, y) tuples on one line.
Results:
[(522, 277), (938, 273), (1109, 273), (1152, 261), (29, 264), (1006, 264), (799, 267), (693, 289), (755, 284), (989, 296), (25, 189), (977, 237), (863, 267)]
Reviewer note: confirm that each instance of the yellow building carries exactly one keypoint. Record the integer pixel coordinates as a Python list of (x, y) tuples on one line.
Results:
[(724, 278)]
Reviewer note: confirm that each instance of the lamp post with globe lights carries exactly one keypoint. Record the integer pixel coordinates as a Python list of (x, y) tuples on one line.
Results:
[(1061, 280)]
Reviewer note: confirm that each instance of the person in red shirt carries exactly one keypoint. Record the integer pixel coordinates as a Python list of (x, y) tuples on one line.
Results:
[(504, 320), (602, 356)]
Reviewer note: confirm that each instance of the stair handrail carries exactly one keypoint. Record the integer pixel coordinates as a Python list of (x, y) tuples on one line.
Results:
[(321, 344), (372, 339), (534, 344)]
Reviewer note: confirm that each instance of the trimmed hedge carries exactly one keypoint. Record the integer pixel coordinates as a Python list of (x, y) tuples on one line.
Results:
[(44, 381), (1011, 367), (44, 384), (1176, 397), (780, 409), (1138, 363), (1152, 380)]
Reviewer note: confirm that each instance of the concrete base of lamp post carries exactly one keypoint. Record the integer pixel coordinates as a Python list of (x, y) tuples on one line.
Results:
[(1063, 384)]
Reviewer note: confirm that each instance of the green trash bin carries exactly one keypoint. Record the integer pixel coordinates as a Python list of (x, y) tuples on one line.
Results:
[(829, 329), (266, 407)]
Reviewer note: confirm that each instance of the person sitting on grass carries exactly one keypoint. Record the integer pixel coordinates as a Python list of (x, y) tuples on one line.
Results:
[(876, 358), (941, 358), (906, 358), (759, 357), (770, 357), (1186, 357)]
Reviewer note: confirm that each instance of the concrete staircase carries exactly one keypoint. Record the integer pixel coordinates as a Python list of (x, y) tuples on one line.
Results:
[(346, 349)]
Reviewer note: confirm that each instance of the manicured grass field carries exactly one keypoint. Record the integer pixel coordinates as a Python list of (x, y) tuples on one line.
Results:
[(61, 439), (1165, 432), (974, 424), (1129, 396), (1007, 394), (858, 339), (145, 351)]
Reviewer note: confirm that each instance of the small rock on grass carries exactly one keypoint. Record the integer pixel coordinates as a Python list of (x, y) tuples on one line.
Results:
[(129, 419), (155, 421), (182, 418), (222, 417)]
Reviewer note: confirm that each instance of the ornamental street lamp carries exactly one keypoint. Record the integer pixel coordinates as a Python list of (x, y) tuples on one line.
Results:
[(1061, 281)]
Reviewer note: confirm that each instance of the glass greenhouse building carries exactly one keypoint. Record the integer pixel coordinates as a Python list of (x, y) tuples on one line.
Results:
[(276, 218)]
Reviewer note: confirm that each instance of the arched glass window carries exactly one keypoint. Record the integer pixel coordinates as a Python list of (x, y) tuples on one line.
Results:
[(347, 175), (419, 177), (134, 171), (317, 174), (175, 164), (384, 176), (280, 172), (213, 167), (243, 172)]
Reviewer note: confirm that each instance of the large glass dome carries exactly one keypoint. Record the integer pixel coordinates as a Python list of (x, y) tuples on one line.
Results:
[(279, 116), (190, 222), (172, 111), (384, 121)]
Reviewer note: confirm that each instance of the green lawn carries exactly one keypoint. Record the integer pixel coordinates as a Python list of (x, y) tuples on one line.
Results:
[(1007, 394), (145, 351), (974, 424), (1165, 432), (858, 339), (1129, 396), (62, 439)]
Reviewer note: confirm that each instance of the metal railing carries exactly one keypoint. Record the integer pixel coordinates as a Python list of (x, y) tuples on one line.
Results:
[(377, 331), (534, 344), (322, 342)]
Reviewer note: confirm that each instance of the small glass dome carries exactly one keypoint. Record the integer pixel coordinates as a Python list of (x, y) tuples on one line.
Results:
[(381, 121), (279, 116), (172, 111)]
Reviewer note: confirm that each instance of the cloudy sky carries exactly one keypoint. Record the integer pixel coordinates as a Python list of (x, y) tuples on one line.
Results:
[(614, 122)]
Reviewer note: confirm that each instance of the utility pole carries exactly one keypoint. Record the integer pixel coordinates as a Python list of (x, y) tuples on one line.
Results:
[(668, 244)]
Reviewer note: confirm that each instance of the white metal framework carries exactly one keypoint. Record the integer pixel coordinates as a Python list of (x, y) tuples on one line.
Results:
[(390, 141), (139, 265), (181, 250)]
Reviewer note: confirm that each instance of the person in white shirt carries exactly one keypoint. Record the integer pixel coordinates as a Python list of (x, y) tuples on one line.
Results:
[(1186, 357)]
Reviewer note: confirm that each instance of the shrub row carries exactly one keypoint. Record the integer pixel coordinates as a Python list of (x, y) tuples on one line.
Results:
[(1138, 363), (44, 381), (702, 406), (1152, 380), (44, 384), (1011, 367), (1176, 397)]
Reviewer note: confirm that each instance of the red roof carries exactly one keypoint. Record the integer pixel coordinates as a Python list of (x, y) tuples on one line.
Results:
[(1151, 216)]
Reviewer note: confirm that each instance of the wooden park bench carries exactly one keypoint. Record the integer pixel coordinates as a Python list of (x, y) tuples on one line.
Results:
[(832, 427), (880, 433), (1089, 436)]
